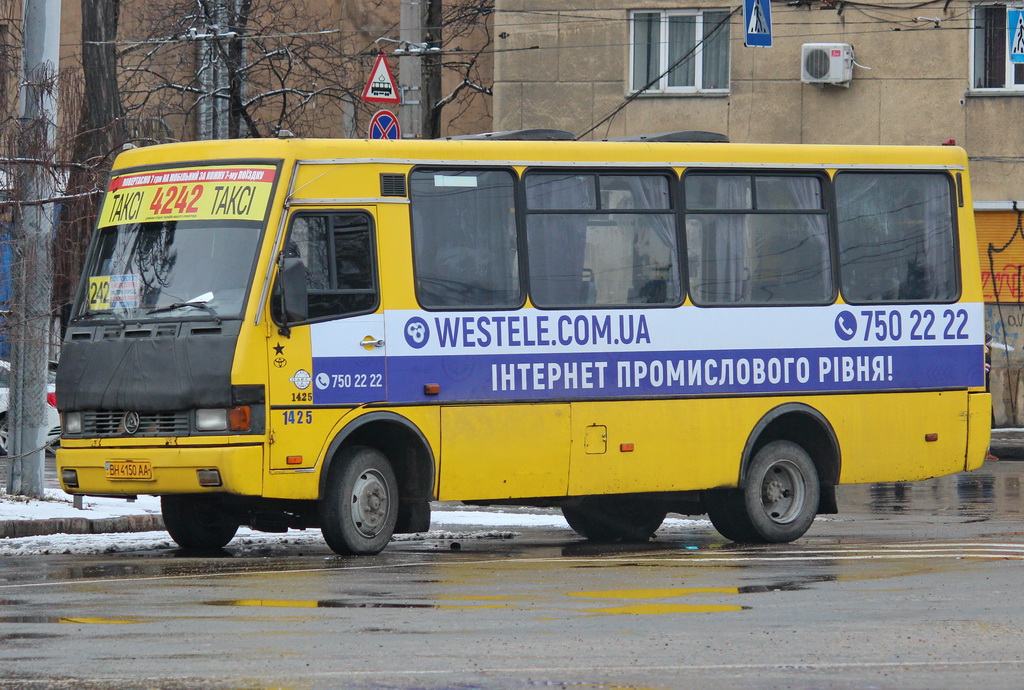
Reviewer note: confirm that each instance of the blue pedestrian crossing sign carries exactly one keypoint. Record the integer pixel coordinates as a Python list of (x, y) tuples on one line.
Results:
[(1015, 34), (757, 23)]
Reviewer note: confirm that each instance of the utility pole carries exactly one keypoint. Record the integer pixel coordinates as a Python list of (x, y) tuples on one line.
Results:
[(419, 68), (410, 68), (30, 309)]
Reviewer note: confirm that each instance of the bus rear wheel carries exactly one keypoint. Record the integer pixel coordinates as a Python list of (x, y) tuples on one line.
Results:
[(608, 518), (359, 508), (197, 521), (778, 502)]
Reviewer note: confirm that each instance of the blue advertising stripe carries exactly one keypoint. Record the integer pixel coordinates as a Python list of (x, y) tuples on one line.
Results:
[(584, 376)]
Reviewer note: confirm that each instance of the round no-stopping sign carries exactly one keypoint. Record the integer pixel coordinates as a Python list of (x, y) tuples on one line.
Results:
[(384, 125)]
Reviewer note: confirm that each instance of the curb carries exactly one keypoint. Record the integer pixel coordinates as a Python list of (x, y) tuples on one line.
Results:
[(10, 529)]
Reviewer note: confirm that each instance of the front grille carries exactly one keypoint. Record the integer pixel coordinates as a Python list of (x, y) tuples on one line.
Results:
[(106, 423)]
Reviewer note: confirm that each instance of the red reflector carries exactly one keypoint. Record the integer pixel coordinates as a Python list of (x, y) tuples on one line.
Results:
[(431, 389), (930, 438), (626, 447), (52, 398), (294, 460)]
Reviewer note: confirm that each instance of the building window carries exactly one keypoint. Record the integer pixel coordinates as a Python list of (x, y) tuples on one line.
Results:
[(680, 51), (991, 64)]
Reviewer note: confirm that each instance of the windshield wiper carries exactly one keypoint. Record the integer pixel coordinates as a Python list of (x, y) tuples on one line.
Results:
[(182, 305)]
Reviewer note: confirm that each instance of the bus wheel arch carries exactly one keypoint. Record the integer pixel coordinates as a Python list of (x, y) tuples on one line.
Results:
[(809, 429), (408, 453), (788, 475)]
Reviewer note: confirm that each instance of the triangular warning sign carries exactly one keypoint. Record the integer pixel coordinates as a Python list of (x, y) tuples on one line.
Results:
[(380, 88), (1017, 46), (758, 24)]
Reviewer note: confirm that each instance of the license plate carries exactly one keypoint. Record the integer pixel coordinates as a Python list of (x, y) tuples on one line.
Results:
[(129, 470)]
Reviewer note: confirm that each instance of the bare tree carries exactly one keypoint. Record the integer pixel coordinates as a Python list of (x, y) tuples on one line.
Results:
[(242, 68), (465, 65), (99, 136)]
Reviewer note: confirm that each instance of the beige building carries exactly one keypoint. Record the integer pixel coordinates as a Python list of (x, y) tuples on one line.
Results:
[(884, 73)]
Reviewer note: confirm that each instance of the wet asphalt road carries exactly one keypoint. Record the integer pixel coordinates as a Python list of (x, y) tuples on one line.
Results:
[(911, 586)]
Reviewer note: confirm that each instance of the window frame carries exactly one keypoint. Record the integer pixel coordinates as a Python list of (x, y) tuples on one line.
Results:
[(827, 210), (1012, 89), (518, 201), (330, 214), (955, 247), (672, 211), (662, 87)]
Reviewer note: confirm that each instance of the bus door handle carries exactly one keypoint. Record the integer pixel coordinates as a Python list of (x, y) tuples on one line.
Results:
[(369, 342)]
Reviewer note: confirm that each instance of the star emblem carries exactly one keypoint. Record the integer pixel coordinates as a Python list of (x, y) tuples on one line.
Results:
[(279, 349)]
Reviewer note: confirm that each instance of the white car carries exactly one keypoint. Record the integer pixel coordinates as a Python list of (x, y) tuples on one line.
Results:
[(52, 416)]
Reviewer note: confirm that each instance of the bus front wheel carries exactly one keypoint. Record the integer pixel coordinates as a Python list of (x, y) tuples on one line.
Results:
[(197, 521), (778, 502), (610, 518), (359, 508)]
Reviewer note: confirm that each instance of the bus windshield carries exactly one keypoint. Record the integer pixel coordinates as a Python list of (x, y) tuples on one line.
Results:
[(196, 269)]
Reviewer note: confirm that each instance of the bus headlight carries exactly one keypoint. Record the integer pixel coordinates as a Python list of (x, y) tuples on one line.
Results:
[(72, 422), (212, 420), (219, 419)]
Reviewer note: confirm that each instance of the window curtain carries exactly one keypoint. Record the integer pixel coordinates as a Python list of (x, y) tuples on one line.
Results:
[(556, 242), (716, 50)]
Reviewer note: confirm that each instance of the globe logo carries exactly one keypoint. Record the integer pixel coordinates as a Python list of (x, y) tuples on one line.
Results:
[(417, 332)]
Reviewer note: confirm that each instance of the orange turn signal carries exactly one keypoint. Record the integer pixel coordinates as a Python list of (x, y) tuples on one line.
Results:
[(239, 418), (626, 448), (293, 459), (431, 389), (931, 438)]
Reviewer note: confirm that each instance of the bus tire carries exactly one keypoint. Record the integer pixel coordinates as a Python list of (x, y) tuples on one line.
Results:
[(611, 519), (359, 508), (197, 522), (723, 505), (778, 502)]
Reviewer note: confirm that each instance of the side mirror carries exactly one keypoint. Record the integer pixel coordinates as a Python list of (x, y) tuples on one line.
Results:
[(291, 290)]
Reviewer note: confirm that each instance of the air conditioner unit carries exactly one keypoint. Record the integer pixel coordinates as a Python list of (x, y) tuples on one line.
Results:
[(826, 63)]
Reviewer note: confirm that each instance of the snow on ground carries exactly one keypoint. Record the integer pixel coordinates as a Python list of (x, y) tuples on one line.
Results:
[(57, 504), (448, 522)]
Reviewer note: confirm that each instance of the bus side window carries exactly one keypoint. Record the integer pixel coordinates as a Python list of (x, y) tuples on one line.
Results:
[(465, 242), (337, 251), (897, 241), (757, 239), (604, 239)]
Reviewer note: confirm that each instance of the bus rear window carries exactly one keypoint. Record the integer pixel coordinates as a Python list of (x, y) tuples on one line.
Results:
[(465, 248), (896, 237)]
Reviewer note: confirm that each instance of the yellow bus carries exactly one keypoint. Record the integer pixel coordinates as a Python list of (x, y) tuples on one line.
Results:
[(299, 333)]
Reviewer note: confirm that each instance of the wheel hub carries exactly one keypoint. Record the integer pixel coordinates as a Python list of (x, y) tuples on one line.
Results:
[(782, 492), (370, 503)]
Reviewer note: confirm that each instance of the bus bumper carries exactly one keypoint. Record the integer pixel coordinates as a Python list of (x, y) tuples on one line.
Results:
[(979, 428), (158, 471)]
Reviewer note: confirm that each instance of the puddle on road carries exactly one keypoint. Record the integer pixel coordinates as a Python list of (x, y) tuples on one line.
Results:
[(981, 493), (663, 607), (528, 602), (318, 604)]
